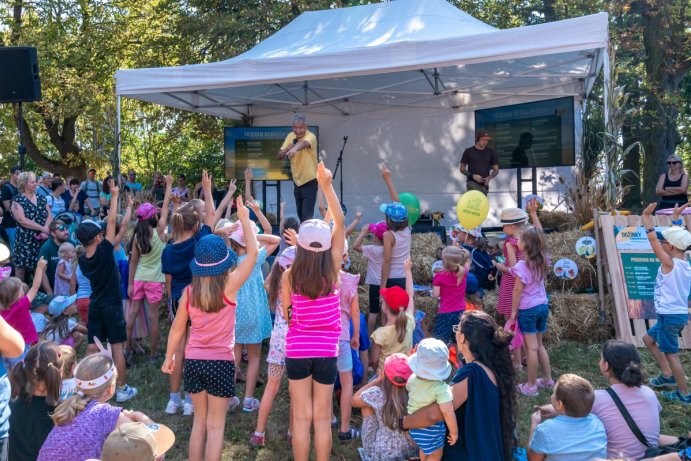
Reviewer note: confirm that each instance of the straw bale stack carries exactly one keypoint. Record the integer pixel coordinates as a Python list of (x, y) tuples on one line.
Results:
[(429, 306), (558, 220), (563, 245), (575, 317)]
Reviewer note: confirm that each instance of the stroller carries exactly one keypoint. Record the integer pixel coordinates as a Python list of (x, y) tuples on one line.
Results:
[(72, 220)]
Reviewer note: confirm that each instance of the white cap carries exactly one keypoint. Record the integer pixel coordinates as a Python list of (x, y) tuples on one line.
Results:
[(314, 235)]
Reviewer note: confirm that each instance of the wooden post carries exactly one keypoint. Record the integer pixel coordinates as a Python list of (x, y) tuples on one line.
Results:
[(598, 266)]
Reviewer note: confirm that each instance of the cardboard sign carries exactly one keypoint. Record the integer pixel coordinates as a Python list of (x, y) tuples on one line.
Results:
[(586, 247), (633, 238), (566, 269)]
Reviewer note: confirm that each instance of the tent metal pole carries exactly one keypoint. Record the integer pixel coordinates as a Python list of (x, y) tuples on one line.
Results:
[(607, 83), (117, 133)]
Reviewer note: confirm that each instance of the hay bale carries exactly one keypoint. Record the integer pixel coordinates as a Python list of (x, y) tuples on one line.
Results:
[(423, 252), (559, 220), (576, 317), (429, 306), (563, 245)]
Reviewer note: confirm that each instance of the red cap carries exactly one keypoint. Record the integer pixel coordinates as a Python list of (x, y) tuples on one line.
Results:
[(397, 370), (482, 134), (395, 297)]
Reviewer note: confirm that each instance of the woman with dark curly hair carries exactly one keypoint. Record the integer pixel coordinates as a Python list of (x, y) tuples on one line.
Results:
[(483, 394)]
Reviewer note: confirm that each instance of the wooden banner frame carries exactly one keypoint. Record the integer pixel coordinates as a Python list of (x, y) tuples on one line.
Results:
[(627, 329)]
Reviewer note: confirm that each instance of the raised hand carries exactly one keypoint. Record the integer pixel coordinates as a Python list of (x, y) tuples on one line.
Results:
[(649, 210), (532, 206), (291, 237), (41, 264), (324, 176), (248, 174), (206, 180), (385, 172), (243, 213), (358, 215), (254, 205), (676, 214), (232, 187), (169, 179)]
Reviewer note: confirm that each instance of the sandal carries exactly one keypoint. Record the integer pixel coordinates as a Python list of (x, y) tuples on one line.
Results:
[(545, 384), (349, 435)]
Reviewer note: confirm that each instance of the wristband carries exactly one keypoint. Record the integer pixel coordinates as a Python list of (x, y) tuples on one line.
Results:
[(677, 222), (652, 229)]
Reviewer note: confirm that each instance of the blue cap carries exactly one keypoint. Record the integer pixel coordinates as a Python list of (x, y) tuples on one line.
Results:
[(395, 211)]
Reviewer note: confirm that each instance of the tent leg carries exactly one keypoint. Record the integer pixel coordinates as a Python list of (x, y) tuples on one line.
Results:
[(117, 136)]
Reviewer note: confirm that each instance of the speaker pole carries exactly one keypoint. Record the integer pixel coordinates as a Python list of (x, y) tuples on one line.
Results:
[(21, 149)]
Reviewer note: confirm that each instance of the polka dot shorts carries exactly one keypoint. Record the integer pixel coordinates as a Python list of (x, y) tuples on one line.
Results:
[(217, 377)]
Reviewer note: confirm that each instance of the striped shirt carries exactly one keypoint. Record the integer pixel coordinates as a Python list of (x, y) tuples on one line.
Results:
[(315, 325)]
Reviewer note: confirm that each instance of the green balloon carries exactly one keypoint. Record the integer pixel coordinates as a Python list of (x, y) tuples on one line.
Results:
[(412, 204)]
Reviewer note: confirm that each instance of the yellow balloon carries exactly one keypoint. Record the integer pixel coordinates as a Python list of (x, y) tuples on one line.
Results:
[(472, 209)]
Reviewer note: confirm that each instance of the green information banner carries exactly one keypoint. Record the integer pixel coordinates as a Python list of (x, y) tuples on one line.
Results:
[(640, 270)]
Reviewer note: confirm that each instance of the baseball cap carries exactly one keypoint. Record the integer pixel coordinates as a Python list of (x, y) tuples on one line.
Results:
[(87, 231), (378, 229), (287, 257), (395, 211), (137, 442), (397, 370), (678, 237), (481, 134), (395, 297), (238, 235), (60, 303), (91, 169), (314, 235)]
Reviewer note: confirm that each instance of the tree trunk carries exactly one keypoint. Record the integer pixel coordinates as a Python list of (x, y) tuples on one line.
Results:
[(632, 162)]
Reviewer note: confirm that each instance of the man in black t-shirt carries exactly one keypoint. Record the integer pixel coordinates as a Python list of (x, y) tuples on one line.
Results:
[(7, 193), (106, 319), (479, 163)]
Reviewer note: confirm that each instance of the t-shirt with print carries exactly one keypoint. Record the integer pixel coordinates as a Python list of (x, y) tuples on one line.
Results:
[(387, 338), (375, 258), (451, 293), (424, 392), (19, 318), (643, 406), (348, 289), (479, 162), (83, 438), (671, 294), (7, 193), (534, 293), (175, 261), (564, 438), (49, 251), (30, 424), (103, 274)]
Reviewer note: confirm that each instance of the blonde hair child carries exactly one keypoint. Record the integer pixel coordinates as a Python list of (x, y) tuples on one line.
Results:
[(84, 420), (63, 271), (68, 387), (449, 286), (210, 304), (396, 335)]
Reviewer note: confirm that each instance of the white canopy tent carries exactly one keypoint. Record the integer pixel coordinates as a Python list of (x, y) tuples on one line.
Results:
[(353, 65)]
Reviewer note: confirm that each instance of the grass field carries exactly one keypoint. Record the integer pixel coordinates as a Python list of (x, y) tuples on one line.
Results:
[(567, 357)]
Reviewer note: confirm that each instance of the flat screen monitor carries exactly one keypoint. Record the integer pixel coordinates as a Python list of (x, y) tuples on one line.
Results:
[(256, 148), (534, 134)]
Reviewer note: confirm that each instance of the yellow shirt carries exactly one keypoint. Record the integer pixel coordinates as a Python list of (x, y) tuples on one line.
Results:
[(304, 164), (387, 338)]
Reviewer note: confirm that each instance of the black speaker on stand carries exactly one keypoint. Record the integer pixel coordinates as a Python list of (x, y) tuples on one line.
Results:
[(19, 82)]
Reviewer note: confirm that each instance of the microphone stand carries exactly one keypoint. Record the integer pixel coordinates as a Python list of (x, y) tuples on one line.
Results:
[(339, 163)]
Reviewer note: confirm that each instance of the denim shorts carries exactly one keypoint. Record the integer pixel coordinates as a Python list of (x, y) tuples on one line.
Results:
[(344, 361), (533, 320), (666, 331)]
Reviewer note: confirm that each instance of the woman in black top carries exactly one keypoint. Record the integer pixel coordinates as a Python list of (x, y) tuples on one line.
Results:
[(673, 186)]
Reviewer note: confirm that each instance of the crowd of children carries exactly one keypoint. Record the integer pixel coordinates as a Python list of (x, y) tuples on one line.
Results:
[(224, 304)]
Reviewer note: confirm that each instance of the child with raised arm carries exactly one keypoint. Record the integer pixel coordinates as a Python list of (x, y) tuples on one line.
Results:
[(430, 365), (672, 247), (374, 254), (396, 239), (209, 303), (106, 321)]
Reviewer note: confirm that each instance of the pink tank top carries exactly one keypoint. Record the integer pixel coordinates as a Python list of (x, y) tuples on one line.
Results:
[(315, 325), (212, 335)]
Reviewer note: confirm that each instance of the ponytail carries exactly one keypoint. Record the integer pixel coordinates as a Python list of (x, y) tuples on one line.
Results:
[(460, 272), (42, 364), (454, 260), (401, 324)]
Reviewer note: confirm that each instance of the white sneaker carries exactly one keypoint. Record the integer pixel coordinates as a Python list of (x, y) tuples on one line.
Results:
[(173, 407), (233, 403), (187, 409), (125, 393)]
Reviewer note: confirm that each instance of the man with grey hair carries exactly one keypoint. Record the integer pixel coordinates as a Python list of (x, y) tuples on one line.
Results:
[(300, 147), (45, 186)]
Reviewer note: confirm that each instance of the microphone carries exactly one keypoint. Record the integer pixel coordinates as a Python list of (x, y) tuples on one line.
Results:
[(295, 141), (345, 138)]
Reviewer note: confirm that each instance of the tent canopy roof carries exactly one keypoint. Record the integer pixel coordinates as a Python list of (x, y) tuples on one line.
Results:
[(423, 54)]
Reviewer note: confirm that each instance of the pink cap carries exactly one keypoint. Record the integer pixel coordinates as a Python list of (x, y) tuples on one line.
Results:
[(287, 257), (397, 370), (378, 229), (146, 211), (314, 235), (238, 234)]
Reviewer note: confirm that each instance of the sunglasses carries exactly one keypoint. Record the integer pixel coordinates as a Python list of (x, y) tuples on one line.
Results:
[(673, 163), (61, 227), (457, 328)]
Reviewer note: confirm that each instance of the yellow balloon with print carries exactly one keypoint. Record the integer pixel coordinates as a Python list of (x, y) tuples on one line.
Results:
[(472, 209)]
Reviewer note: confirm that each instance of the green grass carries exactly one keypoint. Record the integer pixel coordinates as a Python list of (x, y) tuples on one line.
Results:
[(567, 357)]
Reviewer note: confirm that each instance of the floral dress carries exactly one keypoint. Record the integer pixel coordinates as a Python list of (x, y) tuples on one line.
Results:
[(252, 318), (277, 343), (26, 244), (378, 441), (507, 279)]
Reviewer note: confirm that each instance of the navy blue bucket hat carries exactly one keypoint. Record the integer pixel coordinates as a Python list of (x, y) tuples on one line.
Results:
[(212, 257)]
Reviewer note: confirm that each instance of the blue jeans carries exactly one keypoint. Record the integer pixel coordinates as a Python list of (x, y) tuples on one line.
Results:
[(11, 234), (666, 331)]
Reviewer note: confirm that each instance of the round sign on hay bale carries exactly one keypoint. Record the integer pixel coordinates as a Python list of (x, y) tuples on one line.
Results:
[(566, 269), (472, 209), (562, 245), (586, 247)]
